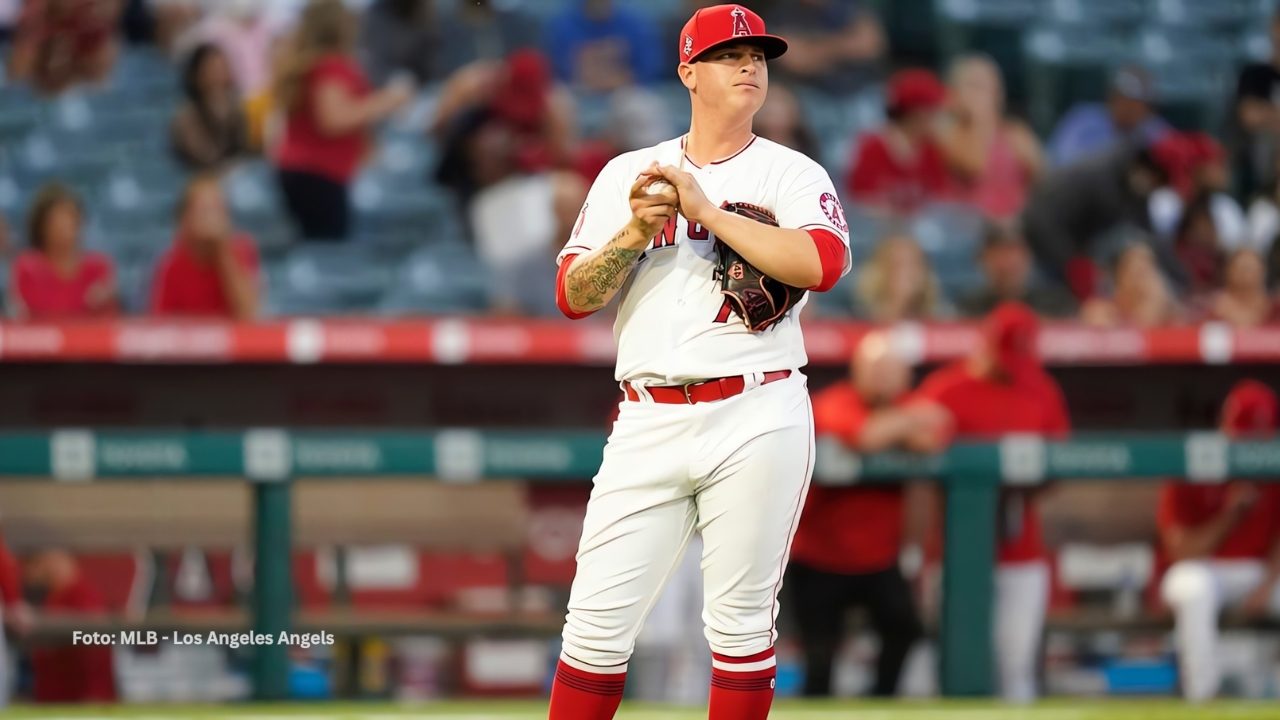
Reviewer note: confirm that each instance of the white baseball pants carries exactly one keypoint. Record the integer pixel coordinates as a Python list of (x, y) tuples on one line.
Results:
[(737, 471), (1022, 599), (1198, 590)]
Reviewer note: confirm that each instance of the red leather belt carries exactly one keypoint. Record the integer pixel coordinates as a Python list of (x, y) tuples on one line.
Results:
[(703, 390)]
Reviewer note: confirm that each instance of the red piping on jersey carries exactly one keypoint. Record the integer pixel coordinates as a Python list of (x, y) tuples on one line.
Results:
[(722, 160), (562, 298), (831, 252)]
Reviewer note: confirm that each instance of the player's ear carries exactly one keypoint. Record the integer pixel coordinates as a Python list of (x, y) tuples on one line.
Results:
[(687, 75)]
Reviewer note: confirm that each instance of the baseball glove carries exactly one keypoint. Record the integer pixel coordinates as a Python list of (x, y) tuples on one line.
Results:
[(755, 297)]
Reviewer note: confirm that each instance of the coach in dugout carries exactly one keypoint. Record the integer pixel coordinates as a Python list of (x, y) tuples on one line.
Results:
[(1002, 389), (1224, 541), (846, 550)]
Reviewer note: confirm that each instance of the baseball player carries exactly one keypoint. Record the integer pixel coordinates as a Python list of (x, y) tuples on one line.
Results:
[(1224, 541), (715, 433), (999, 390)]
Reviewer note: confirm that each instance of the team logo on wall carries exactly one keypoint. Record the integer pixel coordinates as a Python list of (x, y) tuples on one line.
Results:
[(834, 212), (740, 26)]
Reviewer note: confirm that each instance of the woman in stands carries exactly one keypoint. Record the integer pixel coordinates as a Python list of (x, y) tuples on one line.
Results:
[(209, 130), (329, 109), (993, 159), (57, 278), (898, 284)]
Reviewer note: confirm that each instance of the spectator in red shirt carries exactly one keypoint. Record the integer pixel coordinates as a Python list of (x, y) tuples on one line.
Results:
[(901, 167), (329, 109), (57, 278), (61, 43), (1003, 389), (994, 159), (211, 270), (846, 549), (1224, 541), (69, 673)]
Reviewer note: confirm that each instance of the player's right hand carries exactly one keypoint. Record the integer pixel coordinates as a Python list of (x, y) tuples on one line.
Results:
[(650, 212)]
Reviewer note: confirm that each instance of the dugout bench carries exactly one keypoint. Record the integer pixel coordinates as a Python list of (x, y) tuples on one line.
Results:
[(279, 465)]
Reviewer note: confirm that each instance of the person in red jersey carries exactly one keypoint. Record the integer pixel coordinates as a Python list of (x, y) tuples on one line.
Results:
[(998, 390), (69, 673), (902, 168), (329, 111), (846, 550), (57, 278), (211, 270), (1224, 541)]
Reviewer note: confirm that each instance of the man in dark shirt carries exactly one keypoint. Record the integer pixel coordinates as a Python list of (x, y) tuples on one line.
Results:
[(1076, 206), (1257, 118), (1005, 260)]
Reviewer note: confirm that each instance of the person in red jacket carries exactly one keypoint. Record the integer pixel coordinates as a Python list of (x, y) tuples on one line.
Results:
[(845, 552), (211, 270), (1002, 389), (69, 673), (1224, 541)]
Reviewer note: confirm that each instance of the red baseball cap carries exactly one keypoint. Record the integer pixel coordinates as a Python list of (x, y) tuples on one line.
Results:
[(1251, 409), (915, 89), (1010, 332), (711, 27)]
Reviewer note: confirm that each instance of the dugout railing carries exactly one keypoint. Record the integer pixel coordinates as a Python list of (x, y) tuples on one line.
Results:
[(272, 460)]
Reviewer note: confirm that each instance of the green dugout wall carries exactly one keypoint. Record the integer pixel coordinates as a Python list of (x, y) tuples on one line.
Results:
[(272, 460)]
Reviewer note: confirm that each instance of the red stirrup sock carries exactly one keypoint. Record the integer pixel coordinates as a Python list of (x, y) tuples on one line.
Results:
[(742, 687), (578, 694)]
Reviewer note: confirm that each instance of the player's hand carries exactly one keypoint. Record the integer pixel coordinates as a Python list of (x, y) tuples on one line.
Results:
[(694, 204), (650, 212)]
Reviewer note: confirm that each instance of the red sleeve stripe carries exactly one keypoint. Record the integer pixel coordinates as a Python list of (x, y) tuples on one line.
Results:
[(831, 252), (562, 299)]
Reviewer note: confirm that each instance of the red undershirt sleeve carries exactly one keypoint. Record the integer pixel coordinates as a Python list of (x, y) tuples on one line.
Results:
[(831, 252)]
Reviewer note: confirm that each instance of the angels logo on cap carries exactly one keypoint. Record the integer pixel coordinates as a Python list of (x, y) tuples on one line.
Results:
[(740, 26), (688, 45)]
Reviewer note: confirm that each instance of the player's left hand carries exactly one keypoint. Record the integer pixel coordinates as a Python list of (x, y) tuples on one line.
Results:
[(694, 205)]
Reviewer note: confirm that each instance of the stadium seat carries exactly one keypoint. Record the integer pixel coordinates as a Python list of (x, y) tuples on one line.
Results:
[(1102, 13), (1069, 63), (993, 27), (1010, 13), (1201, 14), (435, 280), (335, 278), (951, 236)]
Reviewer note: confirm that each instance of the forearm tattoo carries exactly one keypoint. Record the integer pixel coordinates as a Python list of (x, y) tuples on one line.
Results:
[(596, 278)]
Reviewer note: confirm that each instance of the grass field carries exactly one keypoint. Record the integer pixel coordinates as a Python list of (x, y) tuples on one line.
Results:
[(1052, 710)]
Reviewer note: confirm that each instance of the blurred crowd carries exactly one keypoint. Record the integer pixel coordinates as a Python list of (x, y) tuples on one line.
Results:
[(1114, 218)]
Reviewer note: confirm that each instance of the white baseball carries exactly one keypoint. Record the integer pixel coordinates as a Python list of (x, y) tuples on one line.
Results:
[(658, 187)]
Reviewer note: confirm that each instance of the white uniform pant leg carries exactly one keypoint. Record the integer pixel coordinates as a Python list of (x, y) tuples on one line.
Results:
[(1197, 591), (755, 464), (638, 522), (1022, 598)]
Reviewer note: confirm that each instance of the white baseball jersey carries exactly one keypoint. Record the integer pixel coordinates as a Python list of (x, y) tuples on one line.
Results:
[(673, 325)]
